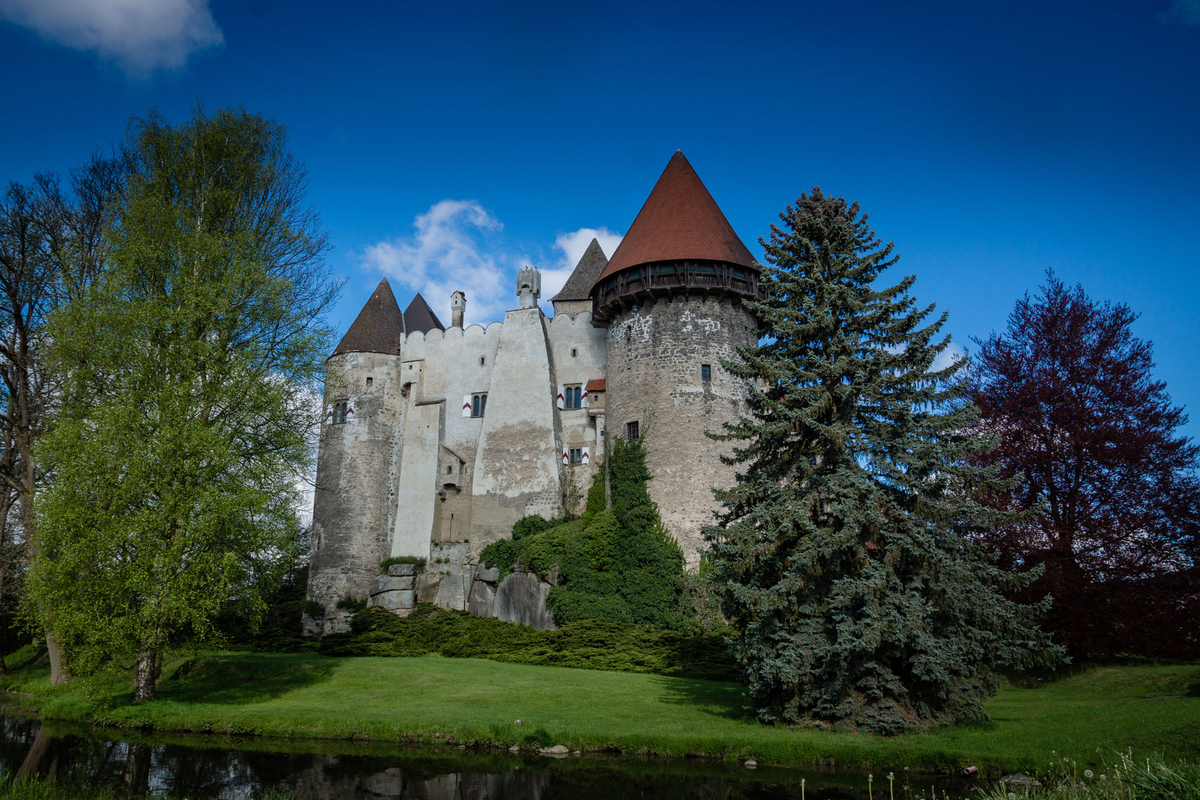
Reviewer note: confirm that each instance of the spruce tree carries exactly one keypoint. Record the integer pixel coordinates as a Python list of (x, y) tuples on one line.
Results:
[(843, 555)]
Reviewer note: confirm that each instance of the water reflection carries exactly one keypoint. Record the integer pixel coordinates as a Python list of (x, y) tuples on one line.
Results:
[(209, 767)]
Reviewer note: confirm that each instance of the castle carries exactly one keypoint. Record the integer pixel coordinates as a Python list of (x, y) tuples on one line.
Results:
[(436, 440)]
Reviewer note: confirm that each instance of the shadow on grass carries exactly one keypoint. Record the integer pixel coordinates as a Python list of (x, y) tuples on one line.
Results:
[(243, 679), (725, 700)]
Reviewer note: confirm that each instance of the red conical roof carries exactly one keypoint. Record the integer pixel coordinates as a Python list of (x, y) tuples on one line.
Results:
[(679, 221)]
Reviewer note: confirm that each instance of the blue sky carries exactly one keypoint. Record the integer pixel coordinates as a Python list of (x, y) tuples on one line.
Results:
[(449, 143)]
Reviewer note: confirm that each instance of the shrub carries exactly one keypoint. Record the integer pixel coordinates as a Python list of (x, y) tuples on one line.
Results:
[(348, 603), (587, 644), (530, 526), (616, 565)]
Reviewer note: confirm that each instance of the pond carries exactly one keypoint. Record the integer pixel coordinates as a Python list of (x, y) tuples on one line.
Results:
[(219, 767)]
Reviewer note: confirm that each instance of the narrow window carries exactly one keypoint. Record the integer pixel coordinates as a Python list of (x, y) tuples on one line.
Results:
[(576, 455), (478, 405), (369, 382), (573, 397), (574, 352), (631, 431), (449, 469), (339, 412), (481, 360), (706, 372)]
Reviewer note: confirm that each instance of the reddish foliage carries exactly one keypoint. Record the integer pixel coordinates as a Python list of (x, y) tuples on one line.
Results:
[(1068, 390)]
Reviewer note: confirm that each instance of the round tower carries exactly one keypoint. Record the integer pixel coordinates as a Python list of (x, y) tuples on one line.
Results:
[(671, 298), (351, 500)]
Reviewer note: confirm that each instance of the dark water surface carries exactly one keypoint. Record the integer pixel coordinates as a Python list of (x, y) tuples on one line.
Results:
[(217, 767)]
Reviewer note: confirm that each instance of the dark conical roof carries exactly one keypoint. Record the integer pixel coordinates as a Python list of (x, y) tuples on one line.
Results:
[(679, 221), (420, 317), (377, 328), (586, 272)]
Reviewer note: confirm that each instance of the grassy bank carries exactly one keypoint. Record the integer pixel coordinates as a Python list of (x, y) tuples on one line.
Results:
[(476, 702)]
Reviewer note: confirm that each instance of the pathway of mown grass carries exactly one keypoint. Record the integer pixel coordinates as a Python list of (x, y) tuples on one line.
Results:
[(475, 701)]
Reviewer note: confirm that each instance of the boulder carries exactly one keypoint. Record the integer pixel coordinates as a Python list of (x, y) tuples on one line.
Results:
[(488, 574), (427, 587), (402, 570), (482, 601), (389, 583), (453, 590), (557, 751), (394, 601), (1018, 779), (521, 597)]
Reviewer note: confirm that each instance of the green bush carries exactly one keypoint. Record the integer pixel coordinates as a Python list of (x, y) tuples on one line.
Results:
[(587, 644), (530, 526), (616, 565), (349, 603), (596, 499), (415, 560)]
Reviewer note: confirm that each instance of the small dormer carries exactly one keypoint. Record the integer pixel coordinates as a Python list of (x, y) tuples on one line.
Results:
[(595, 392)]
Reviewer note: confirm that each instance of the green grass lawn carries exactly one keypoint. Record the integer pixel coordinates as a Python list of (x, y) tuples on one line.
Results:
[(477, 702)]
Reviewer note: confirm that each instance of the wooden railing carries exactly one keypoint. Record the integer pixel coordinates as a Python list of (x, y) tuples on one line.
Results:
[(683, 277)]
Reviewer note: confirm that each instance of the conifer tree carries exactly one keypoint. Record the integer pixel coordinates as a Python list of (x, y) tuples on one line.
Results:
[(842, 556)]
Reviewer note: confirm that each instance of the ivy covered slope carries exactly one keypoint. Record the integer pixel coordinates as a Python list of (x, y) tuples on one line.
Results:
[(615, 564)]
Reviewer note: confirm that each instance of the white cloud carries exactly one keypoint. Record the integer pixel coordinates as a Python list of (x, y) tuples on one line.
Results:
[(949, 356), (456, 245), (571, 247), (139, 35), (459, 244)]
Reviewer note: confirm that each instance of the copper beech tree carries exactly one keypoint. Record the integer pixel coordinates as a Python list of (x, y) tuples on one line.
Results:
[(1095, 442)]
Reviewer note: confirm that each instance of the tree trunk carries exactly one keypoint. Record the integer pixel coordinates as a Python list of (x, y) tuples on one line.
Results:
[(35, 757), (137, 771), (148, 666)]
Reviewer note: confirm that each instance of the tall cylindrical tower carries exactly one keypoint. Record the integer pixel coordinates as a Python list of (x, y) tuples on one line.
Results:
[(357, 449), (671, 297)]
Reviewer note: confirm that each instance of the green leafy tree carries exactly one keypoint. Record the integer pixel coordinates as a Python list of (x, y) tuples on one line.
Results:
[(189, 368), (842, 556)]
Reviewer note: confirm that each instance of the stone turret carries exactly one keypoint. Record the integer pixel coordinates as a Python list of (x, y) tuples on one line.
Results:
[(529, 286), (458, 309), (671, 300)]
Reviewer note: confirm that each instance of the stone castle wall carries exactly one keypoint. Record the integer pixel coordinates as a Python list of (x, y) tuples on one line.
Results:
[(655, 358), (409, 474)]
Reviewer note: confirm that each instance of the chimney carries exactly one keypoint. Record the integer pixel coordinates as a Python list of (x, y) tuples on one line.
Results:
[(458, 307)]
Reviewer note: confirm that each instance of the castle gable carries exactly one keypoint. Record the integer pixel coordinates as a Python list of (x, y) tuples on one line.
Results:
[(586, 272), (420, 317)]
